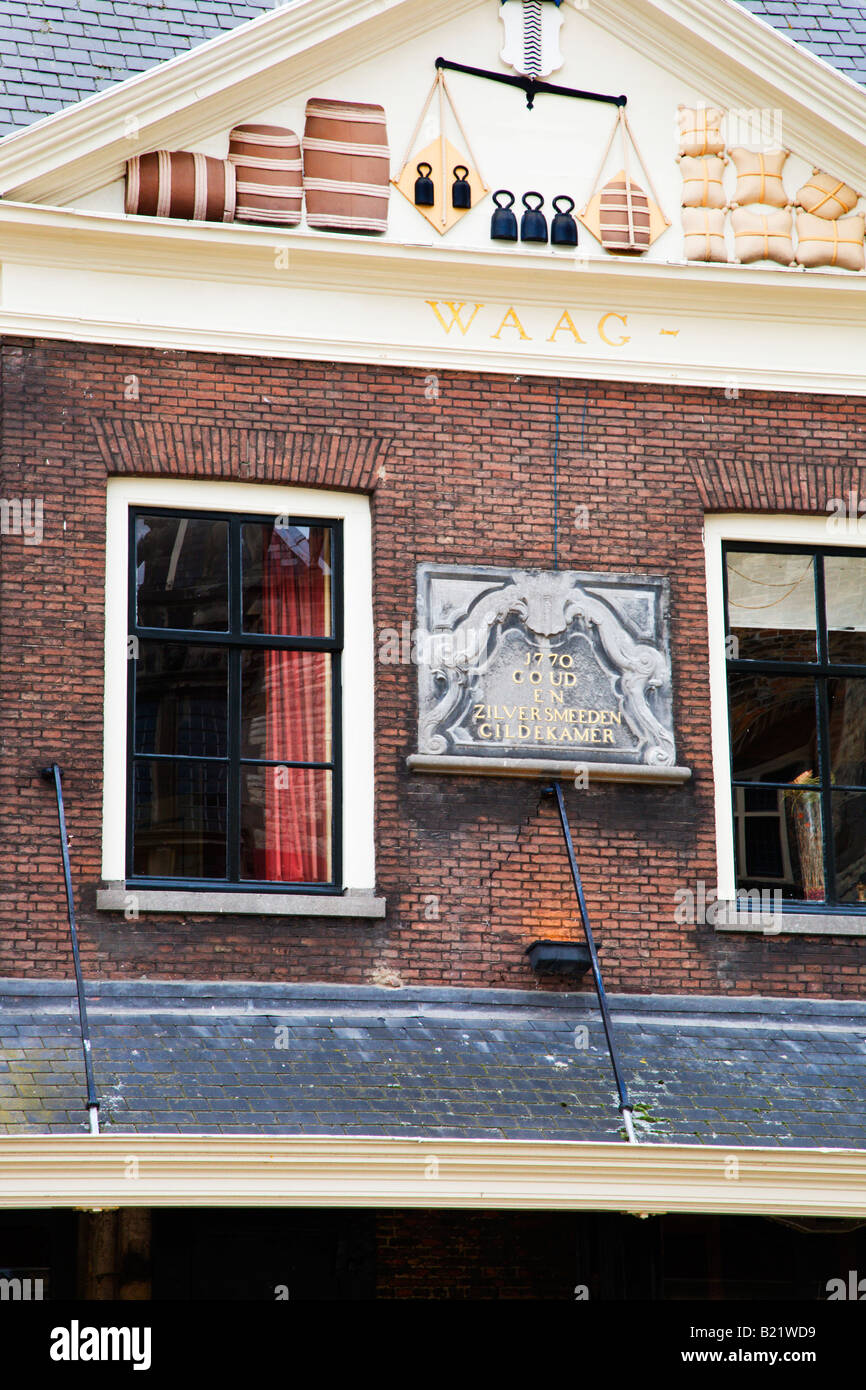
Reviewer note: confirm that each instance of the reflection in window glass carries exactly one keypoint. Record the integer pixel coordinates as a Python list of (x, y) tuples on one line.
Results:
[(287, 580), (847, 705), (845, 588), (849, 838), (179, 819), (234, 778), (804, 733), (181, 699), (181, 573), (773, 726), (286, 824), (771, 605)]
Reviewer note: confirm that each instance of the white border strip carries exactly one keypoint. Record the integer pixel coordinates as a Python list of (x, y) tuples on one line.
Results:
[(358, 670), (774, 530), (264, 1171)]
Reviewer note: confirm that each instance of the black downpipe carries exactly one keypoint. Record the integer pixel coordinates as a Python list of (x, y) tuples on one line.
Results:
[(625, 1106), (52, 774)]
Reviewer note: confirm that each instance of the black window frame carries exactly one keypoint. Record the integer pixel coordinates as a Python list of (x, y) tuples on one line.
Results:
[(822, 670), (235, 640)]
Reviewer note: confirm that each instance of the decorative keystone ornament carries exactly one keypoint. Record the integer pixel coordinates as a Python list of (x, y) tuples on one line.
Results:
[(531, 44)]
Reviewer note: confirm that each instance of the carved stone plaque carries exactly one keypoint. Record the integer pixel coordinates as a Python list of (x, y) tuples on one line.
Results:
[(557, 666)]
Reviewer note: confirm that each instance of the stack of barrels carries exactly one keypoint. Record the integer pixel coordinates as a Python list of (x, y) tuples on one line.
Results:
[(342, 172)]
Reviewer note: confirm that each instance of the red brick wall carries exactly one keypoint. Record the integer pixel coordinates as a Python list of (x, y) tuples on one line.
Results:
[(462, 476), (461, 1255)]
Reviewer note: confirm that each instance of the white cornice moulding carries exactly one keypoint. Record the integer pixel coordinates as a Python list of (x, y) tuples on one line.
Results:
[(591, 368), (271, 1170), (33, 234), (117, 334), (35, 241)]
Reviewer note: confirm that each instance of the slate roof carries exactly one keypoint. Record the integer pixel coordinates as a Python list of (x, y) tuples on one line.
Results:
[(834, 29), (360, 1060), (53, 55)]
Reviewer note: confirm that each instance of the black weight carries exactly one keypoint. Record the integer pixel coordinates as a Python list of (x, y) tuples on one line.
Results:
[(533, 223), (563, 228), (425, 195), (461, 193), (503, 223)]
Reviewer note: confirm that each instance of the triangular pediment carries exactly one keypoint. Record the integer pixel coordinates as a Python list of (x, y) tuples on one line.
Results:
[(657, 295), (658, 53)]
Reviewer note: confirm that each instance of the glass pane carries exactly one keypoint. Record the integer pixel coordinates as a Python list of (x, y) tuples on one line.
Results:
[(845, 591), (286, 710), (805, 845), (286, 579), (785, 851), (181, 572), (763, 847), (847, 701), (771, 605), (286, 825), (181, 700), (757, 799), (849, 837), (180, 820), (773, 727)]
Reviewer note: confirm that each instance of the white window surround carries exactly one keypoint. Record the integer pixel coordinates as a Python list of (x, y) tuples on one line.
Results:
[(359, 870), (773, 530)]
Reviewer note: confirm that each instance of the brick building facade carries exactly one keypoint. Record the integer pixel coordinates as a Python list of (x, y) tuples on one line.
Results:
[(467, 474), (596, 415)]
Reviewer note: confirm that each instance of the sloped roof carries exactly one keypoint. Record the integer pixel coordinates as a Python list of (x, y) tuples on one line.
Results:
[(54, 55), (834, 29), (205, 1058)]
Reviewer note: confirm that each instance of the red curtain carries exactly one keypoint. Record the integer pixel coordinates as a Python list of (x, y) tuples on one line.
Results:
[(296, 599)]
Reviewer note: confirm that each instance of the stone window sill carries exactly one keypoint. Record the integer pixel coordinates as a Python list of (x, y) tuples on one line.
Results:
[(793, 923), (470, 766), (117, 897)]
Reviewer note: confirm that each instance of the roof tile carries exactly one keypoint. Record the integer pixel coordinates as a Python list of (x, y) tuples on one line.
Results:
[(138, 34), (426, 1062)]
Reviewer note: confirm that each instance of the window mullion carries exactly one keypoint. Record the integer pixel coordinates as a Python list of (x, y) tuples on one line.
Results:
[(824, 738), (131, 671), (234, 732)]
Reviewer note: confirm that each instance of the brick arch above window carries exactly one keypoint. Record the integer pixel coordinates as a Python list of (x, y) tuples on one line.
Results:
[(314, 459), (775, 485)]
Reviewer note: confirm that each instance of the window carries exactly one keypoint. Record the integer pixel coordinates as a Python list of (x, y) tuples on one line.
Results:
[(216, 655), (234, 692), (795, 646)]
